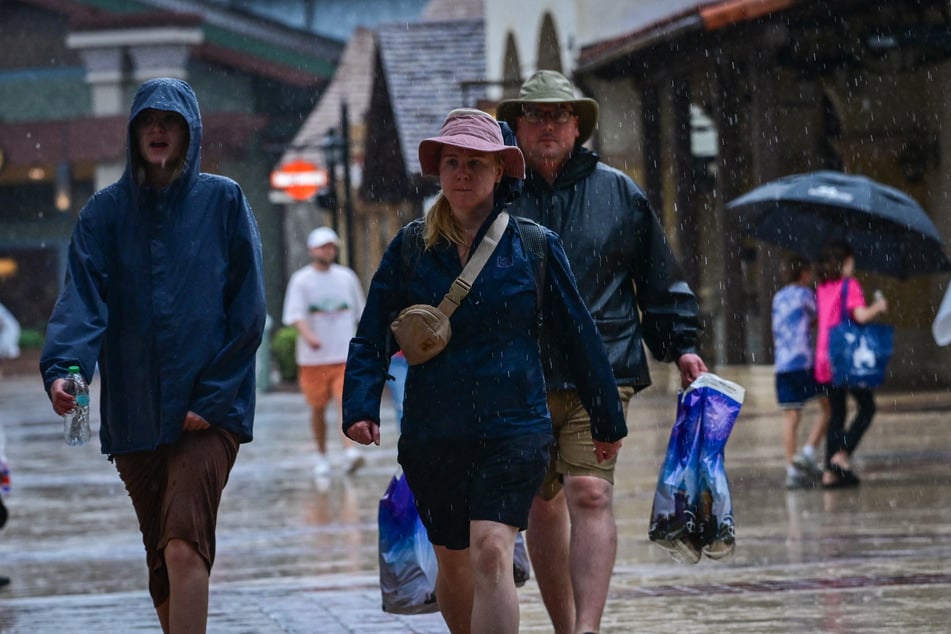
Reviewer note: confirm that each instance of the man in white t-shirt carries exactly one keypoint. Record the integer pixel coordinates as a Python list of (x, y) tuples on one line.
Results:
[(323, 302)]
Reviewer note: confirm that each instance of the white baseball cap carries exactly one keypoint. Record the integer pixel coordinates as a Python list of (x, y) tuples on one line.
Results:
[(321, 236)]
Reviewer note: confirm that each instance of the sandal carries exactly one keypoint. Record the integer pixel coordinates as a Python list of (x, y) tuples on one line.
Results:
[(843, 478)]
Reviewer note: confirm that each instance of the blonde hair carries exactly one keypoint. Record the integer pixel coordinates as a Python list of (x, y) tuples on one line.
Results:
[(440, 223)]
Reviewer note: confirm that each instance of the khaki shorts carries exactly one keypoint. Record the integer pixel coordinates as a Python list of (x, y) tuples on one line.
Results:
[(320, 383), (573, 450), (176, 490)]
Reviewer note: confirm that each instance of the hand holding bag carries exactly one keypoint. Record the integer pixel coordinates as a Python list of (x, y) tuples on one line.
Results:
[(859, 353), (423, 331)]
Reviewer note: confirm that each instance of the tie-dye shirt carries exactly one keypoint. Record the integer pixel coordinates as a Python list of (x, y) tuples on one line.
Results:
[(794, 312)]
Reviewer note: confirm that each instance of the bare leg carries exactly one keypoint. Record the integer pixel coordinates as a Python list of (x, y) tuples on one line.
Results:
[(188, 588), (547, 543), (162, 611), (343, 437), (495, 599), (790, 428), (593, 547), (318, 424), (454, 589)]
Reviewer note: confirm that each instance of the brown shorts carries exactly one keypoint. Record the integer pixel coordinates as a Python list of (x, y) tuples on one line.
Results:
[(572, 453), (175, 491), (320, 383)]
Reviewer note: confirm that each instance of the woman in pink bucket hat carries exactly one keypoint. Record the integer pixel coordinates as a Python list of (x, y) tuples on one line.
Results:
[(476, 434)]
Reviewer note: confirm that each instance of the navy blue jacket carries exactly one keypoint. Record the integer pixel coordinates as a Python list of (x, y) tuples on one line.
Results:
[(626, 272), (164, 291), (488, 382)]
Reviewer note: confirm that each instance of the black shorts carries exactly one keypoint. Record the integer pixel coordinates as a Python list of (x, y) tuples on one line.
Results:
[(794, 388), (456, 482)]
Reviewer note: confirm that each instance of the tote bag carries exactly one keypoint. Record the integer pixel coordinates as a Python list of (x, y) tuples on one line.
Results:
[(859, 353)]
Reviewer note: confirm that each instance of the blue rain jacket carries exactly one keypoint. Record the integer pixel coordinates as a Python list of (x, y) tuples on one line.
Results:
[(164, 289), (626, 271), (488, 382)]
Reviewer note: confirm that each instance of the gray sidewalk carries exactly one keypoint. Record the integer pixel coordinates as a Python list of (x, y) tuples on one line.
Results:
[(295, 555)]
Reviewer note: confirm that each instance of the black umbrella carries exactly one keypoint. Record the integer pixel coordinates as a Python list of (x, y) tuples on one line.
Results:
[(888, 231)]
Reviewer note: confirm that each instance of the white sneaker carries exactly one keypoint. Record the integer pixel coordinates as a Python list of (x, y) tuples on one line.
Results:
[(807, 464), (354, 459), (321, 466), (797, 479)]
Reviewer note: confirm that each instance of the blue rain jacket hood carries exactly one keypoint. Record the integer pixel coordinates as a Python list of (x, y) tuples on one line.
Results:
[(164, 291)]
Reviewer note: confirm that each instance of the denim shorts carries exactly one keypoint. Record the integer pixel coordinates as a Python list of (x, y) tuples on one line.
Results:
[(459, 481), (794, 388)]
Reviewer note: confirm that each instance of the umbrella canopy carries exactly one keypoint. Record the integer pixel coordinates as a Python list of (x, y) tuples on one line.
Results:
[(888, 231)]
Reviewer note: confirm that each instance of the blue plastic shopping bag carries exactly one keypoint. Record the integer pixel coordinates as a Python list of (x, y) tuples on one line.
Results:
[(692, 513), (407, 560)]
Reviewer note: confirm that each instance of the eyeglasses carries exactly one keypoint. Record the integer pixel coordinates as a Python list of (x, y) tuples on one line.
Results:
[(560, 116)]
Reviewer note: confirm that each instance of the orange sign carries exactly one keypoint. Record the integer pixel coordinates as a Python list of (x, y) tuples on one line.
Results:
[(299, 179)]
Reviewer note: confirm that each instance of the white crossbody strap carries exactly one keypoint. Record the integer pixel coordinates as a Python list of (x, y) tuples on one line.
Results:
[(460, 287)]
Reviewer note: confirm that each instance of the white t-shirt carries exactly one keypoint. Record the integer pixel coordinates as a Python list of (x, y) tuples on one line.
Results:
[(331, 301)]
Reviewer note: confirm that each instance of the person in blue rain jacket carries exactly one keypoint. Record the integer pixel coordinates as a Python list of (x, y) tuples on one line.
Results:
[(476, 431), (164, 291)]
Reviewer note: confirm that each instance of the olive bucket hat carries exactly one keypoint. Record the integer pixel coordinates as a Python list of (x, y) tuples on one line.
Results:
[(549, 86)]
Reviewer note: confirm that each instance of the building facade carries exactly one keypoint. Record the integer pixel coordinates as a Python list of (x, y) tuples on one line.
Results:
[(66, 81), (703, 101)]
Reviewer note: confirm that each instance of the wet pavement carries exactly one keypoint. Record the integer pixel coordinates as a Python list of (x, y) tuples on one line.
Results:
[(299, 555)]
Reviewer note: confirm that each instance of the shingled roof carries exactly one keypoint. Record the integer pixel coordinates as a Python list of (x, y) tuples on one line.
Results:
[(351, 83), (427, 68)]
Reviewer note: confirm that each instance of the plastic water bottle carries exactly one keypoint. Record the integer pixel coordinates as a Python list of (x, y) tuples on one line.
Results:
[(76, 421)]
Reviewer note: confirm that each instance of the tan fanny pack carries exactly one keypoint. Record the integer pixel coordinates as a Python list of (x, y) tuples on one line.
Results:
[(423, 331)]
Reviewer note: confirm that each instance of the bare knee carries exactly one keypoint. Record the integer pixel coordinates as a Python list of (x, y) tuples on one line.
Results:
[(588, 493), (182, 555), (491, 558)]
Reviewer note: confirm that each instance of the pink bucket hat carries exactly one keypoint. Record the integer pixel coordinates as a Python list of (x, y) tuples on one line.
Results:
[(471, 130)]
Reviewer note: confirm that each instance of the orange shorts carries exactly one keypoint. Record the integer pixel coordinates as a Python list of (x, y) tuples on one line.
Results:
[(320, 383)]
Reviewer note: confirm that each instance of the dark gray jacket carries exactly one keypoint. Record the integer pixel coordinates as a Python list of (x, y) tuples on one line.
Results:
[(623, 264)]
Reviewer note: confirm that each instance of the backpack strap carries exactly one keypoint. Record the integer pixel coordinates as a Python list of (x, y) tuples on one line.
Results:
[(846, 316), (412, 246), (535, 240)]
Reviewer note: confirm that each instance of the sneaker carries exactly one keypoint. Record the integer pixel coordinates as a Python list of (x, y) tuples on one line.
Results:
[(807, 464), (799, 480), (321, 466), (354, 460)]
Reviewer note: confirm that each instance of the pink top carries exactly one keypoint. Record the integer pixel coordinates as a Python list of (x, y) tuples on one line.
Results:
[(829, 314)]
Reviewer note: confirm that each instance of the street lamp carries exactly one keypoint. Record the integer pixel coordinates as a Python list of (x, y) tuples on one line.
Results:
[(332, 148), (336, 149)]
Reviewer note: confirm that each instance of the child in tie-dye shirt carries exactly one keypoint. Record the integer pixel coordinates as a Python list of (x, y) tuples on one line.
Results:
[(794, 314)]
